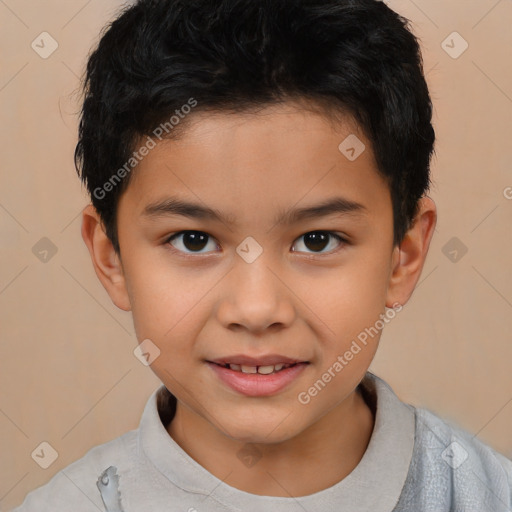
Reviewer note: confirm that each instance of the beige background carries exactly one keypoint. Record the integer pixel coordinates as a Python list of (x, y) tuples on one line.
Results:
[(68, 373)]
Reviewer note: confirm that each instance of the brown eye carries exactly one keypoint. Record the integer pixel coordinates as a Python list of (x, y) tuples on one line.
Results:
[(317, 241), (193, 241)]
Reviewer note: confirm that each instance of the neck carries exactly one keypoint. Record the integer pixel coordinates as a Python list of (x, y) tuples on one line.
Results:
[(331, 453)]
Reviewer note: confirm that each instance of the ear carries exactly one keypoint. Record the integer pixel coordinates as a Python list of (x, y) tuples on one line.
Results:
[(106, 262), (409, 257)]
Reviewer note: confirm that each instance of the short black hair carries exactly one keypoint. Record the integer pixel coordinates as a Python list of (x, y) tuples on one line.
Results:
[(160, 58)]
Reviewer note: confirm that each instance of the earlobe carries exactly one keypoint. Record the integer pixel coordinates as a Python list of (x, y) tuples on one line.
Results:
[(105, 260), (409, 257)]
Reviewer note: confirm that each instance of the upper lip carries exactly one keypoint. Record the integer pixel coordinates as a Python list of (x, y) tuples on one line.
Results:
[(265, 360)]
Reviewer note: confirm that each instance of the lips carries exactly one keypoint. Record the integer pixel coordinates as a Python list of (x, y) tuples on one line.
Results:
[(258, 376)]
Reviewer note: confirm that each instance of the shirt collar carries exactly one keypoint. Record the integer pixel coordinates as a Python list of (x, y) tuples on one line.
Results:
[(375, 484)]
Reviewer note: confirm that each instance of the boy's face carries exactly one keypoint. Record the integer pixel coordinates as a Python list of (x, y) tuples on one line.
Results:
[(251, 286)]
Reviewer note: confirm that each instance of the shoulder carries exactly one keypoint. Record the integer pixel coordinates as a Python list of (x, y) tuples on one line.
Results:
[(452, 467), (76, 483), (461, 446)]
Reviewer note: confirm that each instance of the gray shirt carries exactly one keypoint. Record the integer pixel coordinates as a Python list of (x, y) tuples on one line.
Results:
[(415, 462)]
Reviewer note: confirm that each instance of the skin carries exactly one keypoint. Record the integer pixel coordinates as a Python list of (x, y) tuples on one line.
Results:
[(296, 299)]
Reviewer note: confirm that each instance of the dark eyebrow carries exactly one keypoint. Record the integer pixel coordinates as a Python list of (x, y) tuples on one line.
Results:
[(176, 206), (331, 206)]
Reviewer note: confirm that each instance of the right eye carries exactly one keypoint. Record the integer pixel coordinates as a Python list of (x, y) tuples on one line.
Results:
[(193, 241)]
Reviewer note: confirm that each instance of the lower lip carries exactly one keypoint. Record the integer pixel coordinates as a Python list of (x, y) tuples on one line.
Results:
[(256, 384)]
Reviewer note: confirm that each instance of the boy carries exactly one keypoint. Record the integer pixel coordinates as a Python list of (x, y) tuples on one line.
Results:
[(258, 172)]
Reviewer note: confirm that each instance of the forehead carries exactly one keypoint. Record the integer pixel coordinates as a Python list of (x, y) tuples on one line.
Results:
[(247, 163)]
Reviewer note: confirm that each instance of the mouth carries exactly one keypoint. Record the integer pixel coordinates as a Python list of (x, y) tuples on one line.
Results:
[(267, 369), (263, 376)]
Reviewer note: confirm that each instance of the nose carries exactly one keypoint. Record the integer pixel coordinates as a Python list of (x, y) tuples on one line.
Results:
[(255, 297)]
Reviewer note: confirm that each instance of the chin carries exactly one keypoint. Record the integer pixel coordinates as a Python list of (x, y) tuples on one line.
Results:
[(254, 436), (271, 430)]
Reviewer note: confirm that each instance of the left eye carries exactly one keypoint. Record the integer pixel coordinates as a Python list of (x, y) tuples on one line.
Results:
[(196, 241), (318, 240)]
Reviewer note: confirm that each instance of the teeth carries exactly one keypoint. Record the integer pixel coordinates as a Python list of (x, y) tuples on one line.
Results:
[(262, 370), (249, 369)]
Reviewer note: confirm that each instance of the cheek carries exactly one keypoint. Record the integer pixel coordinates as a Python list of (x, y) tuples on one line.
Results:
[(350, 305), (171, 318), (353, 298), (164, 300)]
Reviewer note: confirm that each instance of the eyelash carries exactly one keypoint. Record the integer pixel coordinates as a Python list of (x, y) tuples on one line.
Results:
[(343, 241)]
